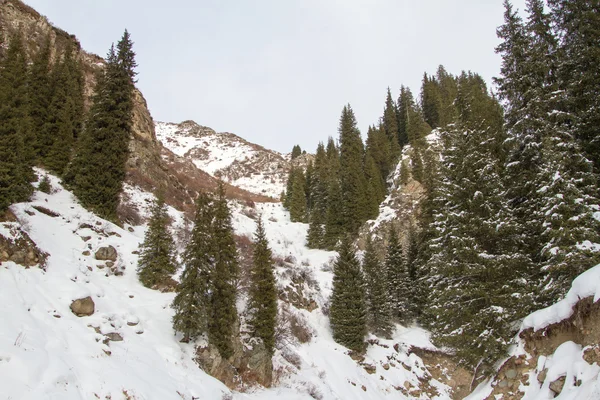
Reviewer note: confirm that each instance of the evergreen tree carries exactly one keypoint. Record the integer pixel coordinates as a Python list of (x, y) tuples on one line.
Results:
[(318, 196), (352, 179), (397, 277), (431, 101), (334, 223), (378, 147), (223, 317), (157, 260), (578, 26), (297, 198), (390, 126), (405, 103), (348, 309), (192, 302), (447, 93), (404, 173), (98, 169), (15, 128), (375, 188), (65, 110), (40, 95), (379, 315), (296, 152), (263, 291)]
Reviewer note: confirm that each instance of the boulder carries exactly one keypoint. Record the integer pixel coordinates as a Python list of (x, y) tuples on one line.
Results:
[(557, 385), (83, 307), (107, 253), (114, 337)]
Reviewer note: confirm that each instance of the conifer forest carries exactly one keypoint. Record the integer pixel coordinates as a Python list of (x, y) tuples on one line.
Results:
[(507, 175)]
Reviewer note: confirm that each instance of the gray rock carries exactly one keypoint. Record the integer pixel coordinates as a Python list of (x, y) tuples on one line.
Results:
[(503, 383), (107, 253), (542, 375), (511, 373), (83, 307)]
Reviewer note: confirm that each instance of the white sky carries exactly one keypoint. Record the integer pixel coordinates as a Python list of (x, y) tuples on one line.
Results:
[(278, 72)]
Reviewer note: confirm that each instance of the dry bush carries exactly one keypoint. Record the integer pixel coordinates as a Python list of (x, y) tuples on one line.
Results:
[(292, 357), (128, 213), (313, 391), (299, 328)]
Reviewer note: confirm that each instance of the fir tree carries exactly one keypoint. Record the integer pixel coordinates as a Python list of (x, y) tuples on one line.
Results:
[(378, 147), (40, 95), (405, 103), (98, 169), (297, 197), (15, 128), (223, 313), (334, 223), (348, 309), (296, 152), (447, 93), (578, 26), (318, 196), (352, 179), (157, 260), (379, 315), (65, 110), (375, 187), (263, 292), (192, 302), (397, 277), (431, 101), (390, 126)]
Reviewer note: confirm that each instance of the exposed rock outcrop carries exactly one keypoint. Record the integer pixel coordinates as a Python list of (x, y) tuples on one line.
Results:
[(83, 307), (107, 253), (17, 246)]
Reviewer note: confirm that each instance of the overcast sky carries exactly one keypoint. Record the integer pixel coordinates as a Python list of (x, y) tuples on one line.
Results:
[(278, 72)]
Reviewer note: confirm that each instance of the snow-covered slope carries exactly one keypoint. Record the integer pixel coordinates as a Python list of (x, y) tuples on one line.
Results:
[(225, 155), (48, 352)]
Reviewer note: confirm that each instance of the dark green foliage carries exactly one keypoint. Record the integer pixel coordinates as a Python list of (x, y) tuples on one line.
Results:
[(578, 26), (334, 223), (431, 101), (44, 185), (98, 169), (263, 292), (16, 149), (405, 103), (379, 316), (378, 147), (319, 198), (157, 260), (404, 172), (375, 187), (297, 196), (296, 152), (223, 317), (348, 309), (353, 184), (315, 234), (390, 126), (397, 278), (40, 95), (192, 302), (65, 112)]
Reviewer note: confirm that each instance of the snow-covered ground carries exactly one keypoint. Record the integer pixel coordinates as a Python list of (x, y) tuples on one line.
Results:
[(228, 156), (46, 352)]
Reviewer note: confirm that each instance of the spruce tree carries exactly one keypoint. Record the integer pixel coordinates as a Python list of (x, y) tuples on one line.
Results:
[(157, 260), (98, 169), (405, 103), (379, 315), (192, 302), (263, 291), (297, 198), (378, 147), (223, 317), (16, 171), (578, 26), (397, 277), (65, 110), (375, 192), (40, 95), (296, 152), (353, 184), (334, 223), (447, 92), (348, 309), (319, 197), (431, 101), (390, 126)]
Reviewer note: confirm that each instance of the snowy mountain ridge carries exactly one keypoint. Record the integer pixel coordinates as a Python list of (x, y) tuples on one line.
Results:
[(227, 156)]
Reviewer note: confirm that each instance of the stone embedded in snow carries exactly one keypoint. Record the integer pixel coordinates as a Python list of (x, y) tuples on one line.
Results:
[(83, 307), (114, 337), (106, 253), (557, 385)]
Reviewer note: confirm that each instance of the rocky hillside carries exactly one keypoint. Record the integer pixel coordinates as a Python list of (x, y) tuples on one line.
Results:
[(227, 156)]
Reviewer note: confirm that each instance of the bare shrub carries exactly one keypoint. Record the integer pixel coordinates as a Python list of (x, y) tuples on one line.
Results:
[(313, 391), (128, 213), (292, 357), (299, 328)]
